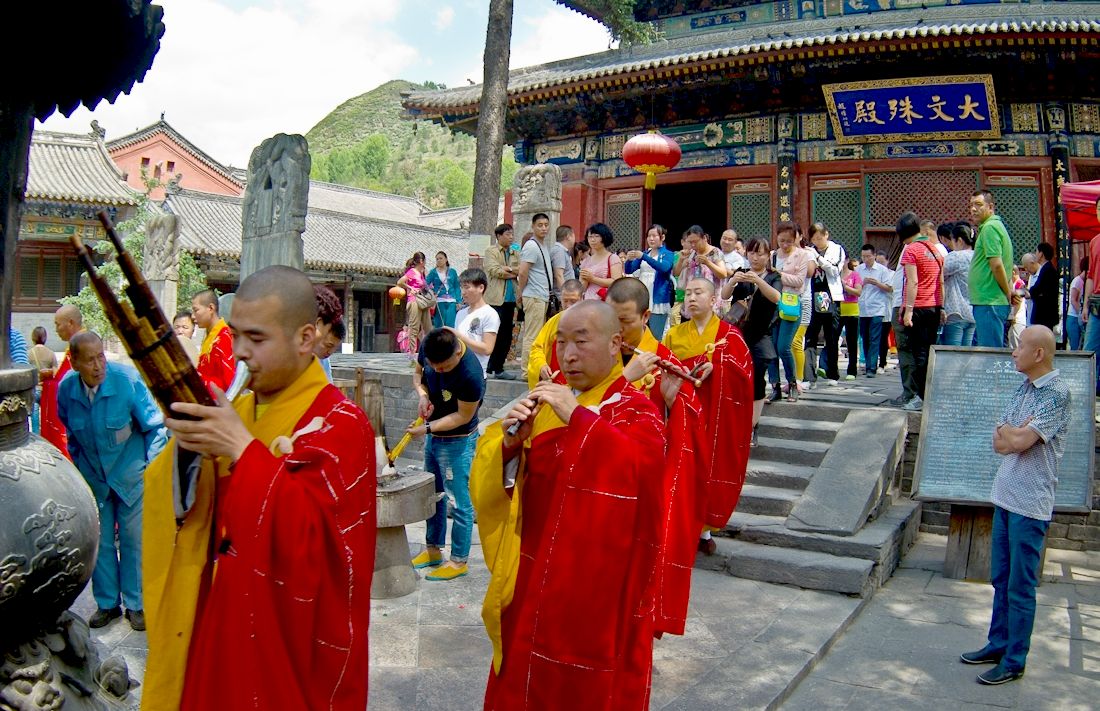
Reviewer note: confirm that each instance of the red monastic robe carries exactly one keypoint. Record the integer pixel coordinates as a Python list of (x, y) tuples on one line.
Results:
[(216, 362), (569, 605), (726, 400), (50, 424)]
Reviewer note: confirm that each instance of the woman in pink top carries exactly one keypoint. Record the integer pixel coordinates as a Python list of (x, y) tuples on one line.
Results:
[(418, 321), (601, 266), (849, 316), (792, 262)]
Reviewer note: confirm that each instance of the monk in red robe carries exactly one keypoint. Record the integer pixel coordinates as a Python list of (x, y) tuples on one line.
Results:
[(680, 407), (67, 321), (283, 501), (726, 396), (570, 614), (216, 362)]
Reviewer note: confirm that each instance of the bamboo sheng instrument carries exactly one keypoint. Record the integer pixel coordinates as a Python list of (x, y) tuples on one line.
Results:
[(144, 330)]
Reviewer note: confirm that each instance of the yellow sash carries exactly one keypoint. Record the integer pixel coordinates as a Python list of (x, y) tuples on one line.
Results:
[(173, 560), (499, 518), (210, 337), (686, 342)]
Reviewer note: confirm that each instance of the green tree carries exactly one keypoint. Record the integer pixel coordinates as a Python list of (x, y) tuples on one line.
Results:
[(132, 232)]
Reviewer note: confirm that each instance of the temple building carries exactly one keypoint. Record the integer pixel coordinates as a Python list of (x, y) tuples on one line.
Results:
[(847, 112)]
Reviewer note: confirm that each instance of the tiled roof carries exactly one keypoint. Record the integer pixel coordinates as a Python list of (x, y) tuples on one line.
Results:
[(385, 206), (164, 127), (920, 23), (211, 224), (75, 168)]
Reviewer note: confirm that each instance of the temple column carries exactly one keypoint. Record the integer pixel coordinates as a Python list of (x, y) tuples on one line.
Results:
[(1059, 160), (349, 313), (786, 158)]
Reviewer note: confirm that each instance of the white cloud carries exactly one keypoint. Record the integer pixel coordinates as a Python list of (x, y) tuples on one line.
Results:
[(550, 35), (228, 78), (444, 17)]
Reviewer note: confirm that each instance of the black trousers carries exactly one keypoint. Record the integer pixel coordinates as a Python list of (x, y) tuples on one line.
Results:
[(507, 312), (850, 324), (829, 322), (884, 342), (918, 340)]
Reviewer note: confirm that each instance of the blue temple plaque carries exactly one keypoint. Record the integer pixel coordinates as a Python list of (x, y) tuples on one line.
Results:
[(914, 109)]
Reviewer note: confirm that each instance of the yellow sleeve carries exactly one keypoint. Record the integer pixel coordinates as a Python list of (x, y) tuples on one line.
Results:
[(540, 351)]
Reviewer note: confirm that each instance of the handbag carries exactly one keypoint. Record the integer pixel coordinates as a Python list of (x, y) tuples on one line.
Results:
[(602, 291), (553, 303), (790, 306), (425, 299)]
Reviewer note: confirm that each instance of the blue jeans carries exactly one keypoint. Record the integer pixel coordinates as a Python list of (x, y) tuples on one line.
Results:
[(444, 314), (1014, 567), (1075, 333), (117, 575), (989, 325), (657, 323), (870, 332), (957, 333), (783, 335), (454, 454), (1092, 343)]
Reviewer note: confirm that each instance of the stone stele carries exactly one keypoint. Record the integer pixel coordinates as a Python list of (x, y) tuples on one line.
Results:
[(161, 260), (275, 203), (537, 189)]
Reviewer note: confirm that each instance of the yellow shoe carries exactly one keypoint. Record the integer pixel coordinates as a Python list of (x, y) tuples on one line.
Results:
[(427, 559), (447, 572)]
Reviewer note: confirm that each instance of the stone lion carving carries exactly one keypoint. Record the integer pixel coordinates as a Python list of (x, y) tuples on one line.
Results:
[(161, 258), (537, 189), (276, 196)]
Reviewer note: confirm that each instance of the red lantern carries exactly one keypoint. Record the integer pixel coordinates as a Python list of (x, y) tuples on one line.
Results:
[(397, 293), (651, 153)]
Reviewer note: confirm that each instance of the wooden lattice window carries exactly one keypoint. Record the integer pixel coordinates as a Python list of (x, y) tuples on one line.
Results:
[(937, 195), (1020, 209), (751, 209), (623, 214), (45, 274)]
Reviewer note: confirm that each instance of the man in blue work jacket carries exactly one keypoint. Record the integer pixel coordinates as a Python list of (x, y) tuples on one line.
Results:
[(115, 429)]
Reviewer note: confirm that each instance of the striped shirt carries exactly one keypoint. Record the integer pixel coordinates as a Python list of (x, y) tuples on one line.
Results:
[(1026, 481), (17, 347)]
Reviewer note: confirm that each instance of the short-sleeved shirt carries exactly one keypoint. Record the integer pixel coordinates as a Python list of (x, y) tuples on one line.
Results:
[(850, 305), (993, 241), (561, 259), (929, 264), (475, 324), (538, 277), (1026, 481), (1094, 264), (600, 268), (874, 301), (762, 310), (465, 382), (734, 261), (415, 281)]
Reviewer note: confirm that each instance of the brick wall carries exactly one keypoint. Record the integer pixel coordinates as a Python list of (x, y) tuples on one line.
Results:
[(1069, 531)]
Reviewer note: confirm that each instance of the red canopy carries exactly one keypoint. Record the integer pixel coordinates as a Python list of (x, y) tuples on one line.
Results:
[(1080, 200)]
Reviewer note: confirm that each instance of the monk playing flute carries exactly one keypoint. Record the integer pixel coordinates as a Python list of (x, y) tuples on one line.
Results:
[(282, 500), (679, 406), (718, 351), (571, 618)]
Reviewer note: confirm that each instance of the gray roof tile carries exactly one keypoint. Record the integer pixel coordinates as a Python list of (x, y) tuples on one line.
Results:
[(75, 168)]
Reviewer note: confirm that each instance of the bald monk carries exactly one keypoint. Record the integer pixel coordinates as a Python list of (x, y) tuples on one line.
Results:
[(719, 352), (677, 402), (283, 622), (569, 615), (67, 321), (216, 362), (542, 362)]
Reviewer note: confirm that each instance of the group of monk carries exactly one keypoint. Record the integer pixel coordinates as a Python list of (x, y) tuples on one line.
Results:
[(259, 518)]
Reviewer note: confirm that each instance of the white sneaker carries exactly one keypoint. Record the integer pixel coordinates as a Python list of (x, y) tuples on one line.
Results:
[(830, 381), (914, 405)]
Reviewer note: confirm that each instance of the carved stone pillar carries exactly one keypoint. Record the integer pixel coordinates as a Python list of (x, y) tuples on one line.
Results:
[(537, 189), (161, 260), (275, 203)]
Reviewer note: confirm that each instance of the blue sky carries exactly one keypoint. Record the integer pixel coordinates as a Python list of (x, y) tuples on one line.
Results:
[(233, 72)]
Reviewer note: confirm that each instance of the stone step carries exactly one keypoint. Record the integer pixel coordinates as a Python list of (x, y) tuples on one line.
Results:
[(799, 430), (790, 451), (777, 474), (806, 412), (878, 541), (767, 500), (788, 566)]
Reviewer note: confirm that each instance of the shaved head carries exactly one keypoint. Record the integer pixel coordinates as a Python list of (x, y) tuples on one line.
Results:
[(595, 316), (1040, 337), (1034, 354), (588, 343), (573, 286), (67, 321), (81, 339), (628, 290), (72, 313), (291, 287), (705, 283)]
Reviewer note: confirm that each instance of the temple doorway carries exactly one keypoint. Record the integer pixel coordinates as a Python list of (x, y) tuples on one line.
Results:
[(681, 205)]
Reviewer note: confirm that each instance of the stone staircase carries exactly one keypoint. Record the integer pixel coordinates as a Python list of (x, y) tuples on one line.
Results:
[(817, 510)]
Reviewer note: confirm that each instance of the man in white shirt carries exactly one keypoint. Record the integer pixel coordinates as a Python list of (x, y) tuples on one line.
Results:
[(874, 306), (733, 252), (561, 256), (477, 323), (832, 262)]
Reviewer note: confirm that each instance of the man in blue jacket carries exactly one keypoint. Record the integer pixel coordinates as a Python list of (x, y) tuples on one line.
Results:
[(115, 429)]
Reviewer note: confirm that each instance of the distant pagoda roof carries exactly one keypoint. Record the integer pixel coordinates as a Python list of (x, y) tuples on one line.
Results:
[(166, 128), (891, 31), (66, 167)]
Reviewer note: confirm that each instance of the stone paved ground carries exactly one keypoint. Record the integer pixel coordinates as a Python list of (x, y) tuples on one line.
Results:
[(902, 651)]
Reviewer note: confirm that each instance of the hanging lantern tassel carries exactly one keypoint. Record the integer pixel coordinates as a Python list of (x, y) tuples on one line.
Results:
[(651, 153)]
